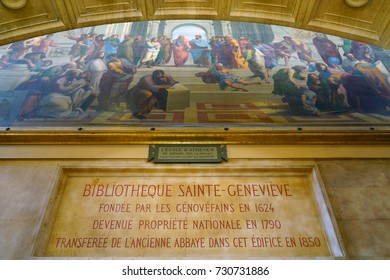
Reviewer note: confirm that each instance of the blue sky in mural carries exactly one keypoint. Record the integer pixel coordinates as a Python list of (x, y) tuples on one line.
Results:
[(188, 31), (200, 72)]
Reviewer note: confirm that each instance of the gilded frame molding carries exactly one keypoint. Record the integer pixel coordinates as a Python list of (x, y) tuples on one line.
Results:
[(216, 135), (221, 134)]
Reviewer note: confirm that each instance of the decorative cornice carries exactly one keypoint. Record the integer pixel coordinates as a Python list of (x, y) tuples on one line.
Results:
[(356, 3), (159, 135), (14, 4)]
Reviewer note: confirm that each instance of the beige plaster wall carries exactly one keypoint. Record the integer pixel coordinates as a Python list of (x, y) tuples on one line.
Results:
[(358, 189)]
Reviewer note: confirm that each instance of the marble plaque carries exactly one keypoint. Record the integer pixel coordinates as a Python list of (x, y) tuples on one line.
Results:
[(188, 212)]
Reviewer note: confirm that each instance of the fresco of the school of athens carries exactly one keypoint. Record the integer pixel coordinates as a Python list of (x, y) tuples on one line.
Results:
[(200, 72)]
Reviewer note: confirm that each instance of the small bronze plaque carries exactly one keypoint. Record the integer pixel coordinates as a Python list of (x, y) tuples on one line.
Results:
[(187, 153)]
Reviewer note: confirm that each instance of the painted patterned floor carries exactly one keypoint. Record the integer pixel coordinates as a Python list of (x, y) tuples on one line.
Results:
[(215, 113), (209, 105)]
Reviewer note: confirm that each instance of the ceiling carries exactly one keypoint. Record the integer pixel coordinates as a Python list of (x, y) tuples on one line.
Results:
[(361, 20)]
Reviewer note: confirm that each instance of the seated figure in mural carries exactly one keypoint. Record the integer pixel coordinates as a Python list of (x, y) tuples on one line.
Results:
[(38, 86), (228, 79), (115, 82), (200, 51), (65, 96), (284, 80), (300, 99), (333, 77), (303, 102), (150, 91), (309, 101), (322, 90)]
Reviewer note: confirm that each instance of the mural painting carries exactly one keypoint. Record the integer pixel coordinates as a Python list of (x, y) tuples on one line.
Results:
[(200, 72)]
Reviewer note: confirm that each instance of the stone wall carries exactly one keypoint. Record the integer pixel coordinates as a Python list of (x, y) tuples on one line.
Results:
[(358, 190)]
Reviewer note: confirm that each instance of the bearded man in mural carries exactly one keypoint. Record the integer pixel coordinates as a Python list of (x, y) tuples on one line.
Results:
[(115, 82), (111, 44), (232, 54), (66, 95), (303, 50), (139, 48), (164, 54), (180, 49), (125, 49), (39, 86), (150, 91), (75, 49), (333, 77), (322, 89), (327, 50), (367, 87), (200, 51), (283, 51), (44, 44)]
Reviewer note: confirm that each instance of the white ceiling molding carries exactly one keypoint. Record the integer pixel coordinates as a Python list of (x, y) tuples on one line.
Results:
[(356, 3), (14, 4)]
